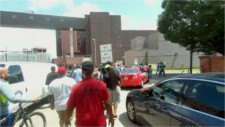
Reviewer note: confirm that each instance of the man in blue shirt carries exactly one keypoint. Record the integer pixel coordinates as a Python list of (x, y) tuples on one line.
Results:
[(77, 74), (118, 67), (7, 94)]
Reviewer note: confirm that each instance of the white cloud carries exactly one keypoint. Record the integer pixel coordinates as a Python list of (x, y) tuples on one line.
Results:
[(147, 26), (44, 4), (82, 10), (68, 3), (151, 2), (125, 22), (16, 39)]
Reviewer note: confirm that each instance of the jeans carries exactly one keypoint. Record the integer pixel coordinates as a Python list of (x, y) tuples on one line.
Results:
[(160, 73), (150, 75), (8, 122)]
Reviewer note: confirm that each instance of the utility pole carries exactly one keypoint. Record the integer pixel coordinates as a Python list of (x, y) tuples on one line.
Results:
[(95, 50), (6, 56), (71, 42), (27, 53)]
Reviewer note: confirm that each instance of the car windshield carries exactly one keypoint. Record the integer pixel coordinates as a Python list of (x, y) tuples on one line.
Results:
[(2, 65), (129, 71)]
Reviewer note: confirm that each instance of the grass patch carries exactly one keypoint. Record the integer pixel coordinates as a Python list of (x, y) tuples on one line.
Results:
[(184, 69), (179, 70)]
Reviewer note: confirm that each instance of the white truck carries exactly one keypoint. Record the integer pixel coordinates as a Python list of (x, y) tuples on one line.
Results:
[(28, 79)]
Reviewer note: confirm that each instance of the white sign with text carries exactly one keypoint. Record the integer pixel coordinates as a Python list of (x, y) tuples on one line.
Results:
[(106, 53)]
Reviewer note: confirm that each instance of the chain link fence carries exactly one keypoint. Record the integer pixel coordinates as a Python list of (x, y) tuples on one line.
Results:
[(25, 57)]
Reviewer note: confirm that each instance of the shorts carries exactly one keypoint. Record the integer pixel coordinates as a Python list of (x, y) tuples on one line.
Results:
[(115, 95)]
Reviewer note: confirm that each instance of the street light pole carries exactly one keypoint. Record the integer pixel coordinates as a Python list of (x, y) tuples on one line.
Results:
[(27, 55), (95, 50)]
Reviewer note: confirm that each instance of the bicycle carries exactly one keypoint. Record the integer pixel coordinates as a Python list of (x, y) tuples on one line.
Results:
[(27, 118)]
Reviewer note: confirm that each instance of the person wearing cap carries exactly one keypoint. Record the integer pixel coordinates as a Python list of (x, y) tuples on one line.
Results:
[(6, 95), (59, 91), (102, 72), (88, 97), (77, 75), (113, 82)]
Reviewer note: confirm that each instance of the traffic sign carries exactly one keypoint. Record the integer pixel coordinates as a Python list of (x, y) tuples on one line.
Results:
[(106, 53)]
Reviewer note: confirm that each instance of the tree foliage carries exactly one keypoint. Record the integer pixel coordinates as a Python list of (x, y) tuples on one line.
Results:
[(196, 24)]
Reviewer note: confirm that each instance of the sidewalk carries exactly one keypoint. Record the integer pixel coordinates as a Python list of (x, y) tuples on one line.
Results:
[(155, 78)]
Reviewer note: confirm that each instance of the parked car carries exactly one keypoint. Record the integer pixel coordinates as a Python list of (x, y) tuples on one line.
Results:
[(133, 77), (28, 79), (187, 100)]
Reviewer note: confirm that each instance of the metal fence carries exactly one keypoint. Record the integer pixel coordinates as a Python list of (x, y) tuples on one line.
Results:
[(25, 57)]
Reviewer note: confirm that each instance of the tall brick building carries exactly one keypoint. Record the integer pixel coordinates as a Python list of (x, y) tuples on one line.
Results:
[(105, 29)]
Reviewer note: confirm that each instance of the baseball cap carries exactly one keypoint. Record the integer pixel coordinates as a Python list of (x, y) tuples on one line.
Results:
[(107, 66), (61, 70), (87, 66)]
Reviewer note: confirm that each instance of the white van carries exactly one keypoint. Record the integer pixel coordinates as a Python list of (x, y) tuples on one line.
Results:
[(28, 78)]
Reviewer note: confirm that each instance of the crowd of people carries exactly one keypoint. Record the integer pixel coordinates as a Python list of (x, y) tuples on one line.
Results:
[(87, 92), (160, 69)]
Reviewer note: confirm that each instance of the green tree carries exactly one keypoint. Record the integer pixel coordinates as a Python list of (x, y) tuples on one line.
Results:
[(197, 25)]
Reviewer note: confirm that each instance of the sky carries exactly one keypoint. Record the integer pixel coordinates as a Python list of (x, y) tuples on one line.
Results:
[(135, 15)]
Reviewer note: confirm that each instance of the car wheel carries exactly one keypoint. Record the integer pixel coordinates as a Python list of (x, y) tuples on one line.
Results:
[(131, 111)]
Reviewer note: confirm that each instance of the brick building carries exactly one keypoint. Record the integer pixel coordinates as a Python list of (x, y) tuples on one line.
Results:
[(212, 63), (105, 29)]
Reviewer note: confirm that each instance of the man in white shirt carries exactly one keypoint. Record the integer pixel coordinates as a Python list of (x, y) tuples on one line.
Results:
[(59, 91)]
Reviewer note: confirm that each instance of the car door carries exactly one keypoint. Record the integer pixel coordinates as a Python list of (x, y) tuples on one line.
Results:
[(160, 104), (16, 80), (202, 104), (35, 79)]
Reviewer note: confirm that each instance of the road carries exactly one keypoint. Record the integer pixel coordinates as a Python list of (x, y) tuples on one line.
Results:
[(121, 121)]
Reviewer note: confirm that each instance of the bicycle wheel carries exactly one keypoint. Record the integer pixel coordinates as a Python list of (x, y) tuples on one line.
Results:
[(35, 119)]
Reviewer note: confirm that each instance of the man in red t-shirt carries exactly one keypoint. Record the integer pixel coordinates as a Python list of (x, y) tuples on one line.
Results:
[(88, 97)]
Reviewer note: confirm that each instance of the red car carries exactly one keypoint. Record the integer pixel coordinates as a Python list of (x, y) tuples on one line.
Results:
[(133, 77)]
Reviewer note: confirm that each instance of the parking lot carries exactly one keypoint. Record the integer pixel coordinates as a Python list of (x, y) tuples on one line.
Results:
[(121, 121)]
